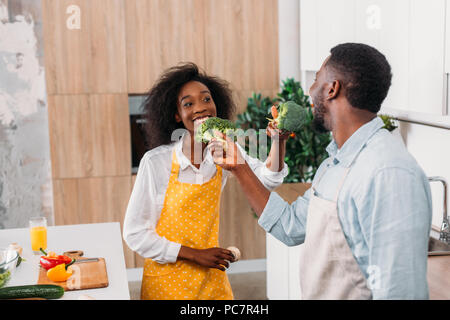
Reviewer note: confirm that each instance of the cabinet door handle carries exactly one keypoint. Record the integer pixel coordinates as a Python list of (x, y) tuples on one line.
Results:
[(446, 94)]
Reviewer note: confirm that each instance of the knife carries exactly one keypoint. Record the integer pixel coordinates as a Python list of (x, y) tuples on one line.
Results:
[(86, 260)]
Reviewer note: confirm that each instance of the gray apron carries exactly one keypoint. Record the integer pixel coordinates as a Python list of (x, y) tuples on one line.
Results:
[(328, 269)]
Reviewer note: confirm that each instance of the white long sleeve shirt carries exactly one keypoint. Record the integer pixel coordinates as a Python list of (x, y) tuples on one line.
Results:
[(147, 198)]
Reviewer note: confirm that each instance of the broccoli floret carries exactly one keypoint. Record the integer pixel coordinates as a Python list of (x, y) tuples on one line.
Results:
[(4, 277), (290, 117), (205, 132)]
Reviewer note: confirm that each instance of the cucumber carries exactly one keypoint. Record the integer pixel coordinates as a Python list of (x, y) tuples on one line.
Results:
[(47, 291)]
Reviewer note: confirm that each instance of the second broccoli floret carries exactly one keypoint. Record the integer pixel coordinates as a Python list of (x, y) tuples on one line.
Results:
[(289, 116)]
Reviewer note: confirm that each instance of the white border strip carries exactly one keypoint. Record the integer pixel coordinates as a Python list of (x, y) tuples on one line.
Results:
[(242, 266)]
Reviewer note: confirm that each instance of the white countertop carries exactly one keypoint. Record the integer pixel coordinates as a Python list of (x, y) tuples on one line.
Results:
[(102, 240)]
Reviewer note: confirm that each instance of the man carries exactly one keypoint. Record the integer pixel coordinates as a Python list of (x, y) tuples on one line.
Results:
[(366, 220)]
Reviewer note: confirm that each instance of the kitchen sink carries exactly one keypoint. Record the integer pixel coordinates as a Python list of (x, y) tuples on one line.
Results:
[(438, 248)]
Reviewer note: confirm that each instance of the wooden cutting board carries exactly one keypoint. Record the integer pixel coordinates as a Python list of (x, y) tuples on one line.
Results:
[(86, 275)]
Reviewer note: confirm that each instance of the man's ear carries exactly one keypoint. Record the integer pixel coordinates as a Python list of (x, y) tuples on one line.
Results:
[(334, 89)]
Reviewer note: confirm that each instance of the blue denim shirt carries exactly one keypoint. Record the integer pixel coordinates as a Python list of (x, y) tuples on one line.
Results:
[(384, 208)]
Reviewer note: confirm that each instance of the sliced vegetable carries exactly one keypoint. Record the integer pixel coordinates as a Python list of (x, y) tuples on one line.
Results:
[(274, 112), (51, 260), (61, 272)]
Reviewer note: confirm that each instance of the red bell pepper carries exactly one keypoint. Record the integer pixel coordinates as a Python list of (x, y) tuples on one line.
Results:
[(50, 261)]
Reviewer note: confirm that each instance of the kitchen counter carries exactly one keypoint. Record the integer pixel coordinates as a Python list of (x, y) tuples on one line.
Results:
[(102, 240), (439, 277)]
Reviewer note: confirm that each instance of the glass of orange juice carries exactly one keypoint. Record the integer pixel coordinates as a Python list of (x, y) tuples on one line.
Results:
[(38, 234)]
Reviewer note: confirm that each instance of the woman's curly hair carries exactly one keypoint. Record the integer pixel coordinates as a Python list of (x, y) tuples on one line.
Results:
[(160, 106)]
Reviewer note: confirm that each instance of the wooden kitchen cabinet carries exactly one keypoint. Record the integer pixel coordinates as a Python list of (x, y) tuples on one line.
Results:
[(120, 48), (93, 200), (110, 135), (438, 279), (238, 224), (70, 124), (89, 135), (66, 52), (160, 34), (90, 57), (241, 42)]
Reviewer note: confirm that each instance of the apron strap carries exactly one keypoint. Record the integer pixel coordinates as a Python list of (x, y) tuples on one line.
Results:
[(176, 167), (341, 183)]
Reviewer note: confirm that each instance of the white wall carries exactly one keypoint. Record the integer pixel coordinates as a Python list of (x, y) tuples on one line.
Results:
[(289, 39), (25, 169), (282, 262), (431, 148)]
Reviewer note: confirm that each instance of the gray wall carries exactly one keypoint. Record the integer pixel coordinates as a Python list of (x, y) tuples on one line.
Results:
[(25, 168)]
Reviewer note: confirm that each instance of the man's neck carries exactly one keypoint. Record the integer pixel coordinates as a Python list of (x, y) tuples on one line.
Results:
[(345, 128)]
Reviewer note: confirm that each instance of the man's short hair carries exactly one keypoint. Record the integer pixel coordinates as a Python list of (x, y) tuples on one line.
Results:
[(364, 72)]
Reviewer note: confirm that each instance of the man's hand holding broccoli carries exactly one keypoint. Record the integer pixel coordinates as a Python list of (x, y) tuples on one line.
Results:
[(288, 117)]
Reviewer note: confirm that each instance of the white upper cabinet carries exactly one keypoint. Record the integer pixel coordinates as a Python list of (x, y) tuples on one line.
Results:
[(308, 37), (447, 59), (324, 24), (426, 56), (383, 24), (412, 34), (447, 38)]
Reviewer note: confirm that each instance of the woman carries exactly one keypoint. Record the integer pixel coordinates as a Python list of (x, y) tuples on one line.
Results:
[(172, 219)]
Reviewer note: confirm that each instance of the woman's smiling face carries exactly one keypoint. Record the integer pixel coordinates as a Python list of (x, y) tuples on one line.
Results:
[(194, 105)]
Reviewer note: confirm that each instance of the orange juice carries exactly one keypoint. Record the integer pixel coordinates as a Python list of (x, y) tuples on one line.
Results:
[(38, 237)]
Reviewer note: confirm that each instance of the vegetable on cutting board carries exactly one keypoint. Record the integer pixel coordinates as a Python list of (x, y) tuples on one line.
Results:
[(51, 260), (61, 272), (46, 291)]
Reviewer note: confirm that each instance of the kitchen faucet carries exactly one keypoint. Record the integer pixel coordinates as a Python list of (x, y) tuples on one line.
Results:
[(444, 234)]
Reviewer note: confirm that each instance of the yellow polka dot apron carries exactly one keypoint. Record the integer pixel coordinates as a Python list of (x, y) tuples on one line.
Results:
[(190, 216)]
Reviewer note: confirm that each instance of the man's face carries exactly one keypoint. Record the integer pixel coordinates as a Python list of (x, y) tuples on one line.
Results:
[(321, 122)]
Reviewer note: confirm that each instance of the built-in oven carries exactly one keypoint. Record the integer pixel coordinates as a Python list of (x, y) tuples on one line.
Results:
[(138, 137)]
